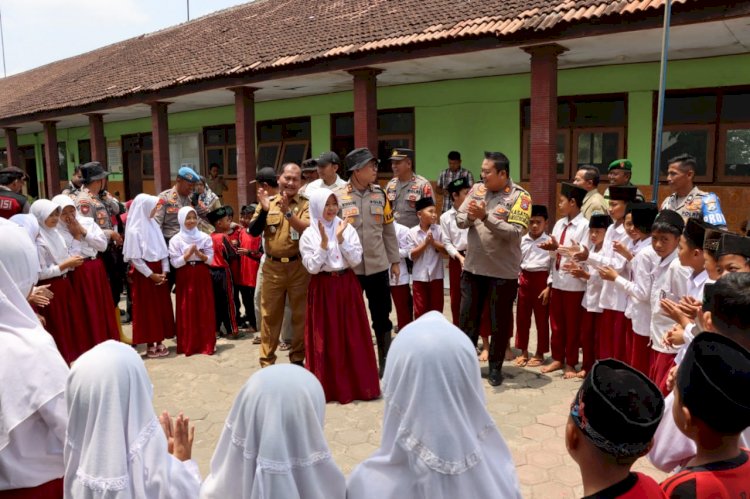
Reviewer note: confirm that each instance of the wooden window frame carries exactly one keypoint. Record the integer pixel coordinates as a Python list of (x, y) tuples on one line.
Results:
[(576, 132), (213, 147), (282, 151), (710, 152), (384, 165), (278, 144), (526, 155), (722, 154)]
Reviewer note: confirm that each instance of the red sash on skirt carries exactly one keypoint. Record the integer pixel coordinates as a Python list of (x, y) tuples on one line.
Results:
[(153, 319), (90, 284), (50, 490), (338, 345), (62, 317), (196, 325)]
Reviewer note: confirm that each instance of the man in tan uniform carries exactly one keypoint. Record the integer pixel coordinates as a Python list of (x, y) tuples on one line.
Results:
[(365, 206), (497, 213), (282, 220), (587, 177), (406, 187)]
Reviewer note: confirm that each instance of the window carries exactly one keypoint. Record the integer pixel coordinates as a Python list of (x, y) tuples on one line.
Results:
[(84, 151), (220, 149), (282, 141), (3, 158), (62, 160), (184, 149), (591, 131), (138, 155)]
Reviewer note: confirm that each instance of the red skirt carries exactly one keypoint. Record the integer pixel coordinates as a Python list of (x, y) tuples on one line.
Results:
[(153, 319), (90, 282), (50, 490), (62, 317), (661, 363), (338, 345), (196, 325)]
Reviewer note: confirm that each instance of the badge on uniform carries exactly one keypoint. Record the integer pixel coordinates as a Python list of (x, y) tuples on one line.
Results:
[(293, 234)]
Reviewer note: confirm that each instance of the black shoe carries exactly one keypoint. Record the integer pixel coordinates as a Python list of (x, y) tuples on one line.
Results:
[(300, 363), (495, 378)]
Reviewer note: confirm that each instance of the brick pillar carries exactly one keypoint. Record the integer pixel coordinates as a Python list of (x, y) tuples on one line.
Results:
[(244, 122), (366, 108), (52, 162), (160, 138), (11, 147), (543, 151), (96, 134)]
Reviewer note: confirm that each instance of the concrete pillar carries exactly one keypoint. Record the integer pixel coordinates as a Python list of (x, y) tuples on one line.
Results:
[(366, 108), (52, 162), (11, 147), (96, 134), (244, 119), (543, 150), (160, 137)]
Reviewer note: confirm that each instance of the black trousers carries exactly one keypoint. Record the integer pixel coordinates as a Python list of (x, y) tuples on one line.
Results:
[(113, 264), (223, 300), (501, 293), (377, 288), (248, 300)]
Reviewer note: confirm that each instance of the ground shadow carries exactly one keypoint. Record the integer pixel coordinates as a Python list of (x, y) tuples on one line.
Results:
[(519, 378)]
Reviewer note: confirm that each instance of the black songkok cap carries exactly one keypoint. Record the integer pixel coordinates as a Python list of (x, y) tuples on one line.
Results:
[(622, 193), (424, 203), (618, 408), (733, 244), (711, 239), (643, 215), (539, 210), (599, 221), (714, 383), (695, 231), (217, 214), (672, 218), (572, 191), (458, 184)]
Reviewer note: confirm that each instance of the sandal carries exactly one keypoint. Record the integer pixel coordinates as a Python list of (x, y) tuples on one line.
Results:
[(151, 353), (284, 346), (535, 362), (521, 361), (256, 340), (162, 350)]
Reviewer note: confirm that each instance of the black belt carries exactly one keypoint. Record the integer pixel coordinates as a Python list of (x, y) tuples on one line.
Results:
[(285, 259), (462, 252), (334, 273)]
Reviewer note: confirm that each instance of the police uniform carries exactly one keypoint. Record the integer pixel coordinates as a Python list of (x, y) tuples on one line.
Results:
[(403, 196), (492, 264), (93, 207), (71, 190), (283, 275), (166, 215), (12, 203), (697, 204)]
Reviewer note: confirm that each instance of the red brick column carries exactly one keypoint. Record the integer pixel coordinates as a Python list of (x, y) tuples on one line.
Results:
[(244, 123), (96, 134), (11, 147), (52, 162), (366, 108), (543, 149), (160, 138)]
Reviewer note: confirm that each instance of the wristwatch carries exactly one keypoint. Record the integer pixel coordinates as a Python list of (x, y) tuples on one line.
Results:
[(288, 215)]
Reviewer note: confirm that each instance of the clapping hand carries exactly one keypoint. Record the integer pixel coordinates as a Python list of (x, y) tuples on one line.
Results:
[(340, 231), (550, 244), (622, 250), (608, 273), (264, 200), (284, 202), (323, 236), (41, 295), (690, 306), (476, 210), (180, 435)]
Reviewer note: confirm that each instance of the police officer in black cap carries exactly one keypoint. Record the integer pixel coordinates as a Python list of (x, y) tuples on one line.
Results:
[(12, 201)]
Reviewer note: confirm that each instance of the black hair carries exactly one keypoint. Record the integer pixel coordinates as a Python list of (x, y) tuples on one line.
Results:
[(77, 169), (730, 303), (249, 209), (744, 227), (8, 178), (666, 228), (499, 160), (212, 165), (685, 162), (592, 174), (454, 156)]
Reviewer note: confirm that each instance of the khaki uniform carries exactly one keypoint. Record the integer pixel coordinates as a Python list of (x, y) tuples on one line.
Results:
[(369, 212), (403, 196), (494, 245), (283, 275), (593, 204), (91, 206), (166, 216), (697, 204)]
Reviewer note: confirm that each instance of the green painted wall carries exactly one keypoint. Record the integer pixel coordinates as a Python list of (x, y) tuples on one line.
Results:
[(471, 115)]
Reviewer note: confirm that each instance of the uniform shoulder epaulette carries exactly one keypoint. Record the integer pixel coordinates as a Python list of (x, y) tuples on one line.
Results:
[(376, 187)]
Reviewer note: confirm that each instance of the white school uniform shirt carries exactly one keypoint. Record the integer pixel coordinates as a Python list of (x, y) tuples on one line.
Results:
[(95, 240), (638, 287), (593, 290), (696, 283), (319, 184), (402, 234), (455, 239), (338, 256), (578, 231), (671, 278), (611, 297), (429, 266), (534, 258)]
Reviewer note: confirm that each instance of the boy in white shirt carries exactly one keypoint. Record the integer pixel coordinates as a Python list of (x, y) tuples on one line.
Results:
[(532, 282), (426, 249), (565, 292), (455, 243), (400, 289)]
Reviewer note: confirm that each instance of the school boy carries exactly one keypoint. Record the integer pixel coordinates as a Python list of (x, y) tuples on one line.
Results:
[(426, 250), (221, 275), (400, 288), (532, 282), (733, 254), (611, 424), (564, 291), (455, 243), (712, 408)]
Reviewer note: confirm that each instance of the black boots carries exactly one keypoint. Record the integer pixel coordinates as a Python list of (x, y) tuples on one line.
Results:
[(495, 377), (384, 343)]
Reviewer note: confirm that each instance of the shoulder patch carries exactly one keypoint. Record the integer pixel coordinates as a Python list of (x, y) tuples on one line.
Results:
[(520, 213)]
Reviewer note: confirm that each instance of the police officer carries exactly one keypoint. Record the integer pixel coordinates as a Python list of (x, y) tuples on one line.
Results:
[(406, 187), (619, 174), (281, 220), (367, 209), (173, 199), (12, 201), (686, 199), (497, 213)]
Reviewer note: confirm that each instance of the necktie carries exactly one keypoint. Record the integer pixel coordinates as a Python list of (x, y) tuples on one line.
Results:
[(562, 242)]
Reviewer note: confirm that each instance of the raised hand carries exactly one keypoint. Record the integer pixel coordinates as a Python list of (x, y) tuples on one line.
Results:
[(550, 244), (323, 236), (476, 210), (284, 202), (264, 200), (340, 231)]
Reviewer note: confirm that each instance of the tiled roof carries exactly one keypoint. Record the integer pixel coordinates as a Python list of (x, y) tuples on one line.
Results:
[(269, 34)]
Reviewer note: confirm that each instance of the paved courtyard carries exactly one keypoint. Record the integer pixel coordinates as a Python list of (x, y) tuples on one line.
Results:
[(530, 408)]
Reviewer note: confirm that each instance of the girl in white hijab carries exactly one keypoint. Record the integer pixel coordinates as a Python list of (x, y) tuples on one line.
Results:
[(115, 448), (439, 441), (33, 374), (63, 315), (273, 445), (145, 249), (191, 252), (338, 345), (28, 222)]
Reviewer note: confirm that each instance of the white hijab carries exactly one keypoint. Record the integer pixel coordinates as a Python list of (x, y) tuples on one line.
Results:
[(193, 236), (48, 238), (28, 222), (143, 236), (20, 257), (63, 201), (318, 200), (273, 445), (115, 446), (438, 440)]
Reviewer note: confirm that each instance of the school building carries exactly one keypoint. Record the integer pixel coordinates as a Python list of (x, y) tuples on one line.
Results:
[(552, 84)]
